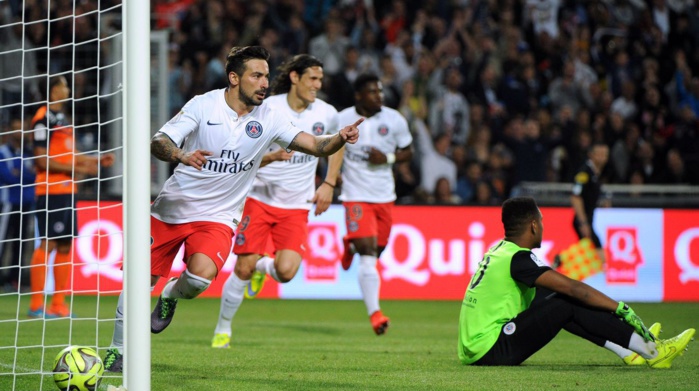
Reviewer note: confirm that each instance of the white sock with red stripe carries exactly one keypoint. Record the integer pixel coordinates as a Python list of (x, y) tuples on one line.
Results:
[(369, 282), (266, 265), (231, 299)]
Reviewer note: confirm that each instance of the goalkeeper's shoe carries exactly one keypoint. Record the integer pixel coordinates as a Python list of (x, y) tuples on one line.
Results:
[(669, 349), (113, 361), (255, 285), (221, 341), (637, 359), (162, 315), (348, 255), (379, 322)]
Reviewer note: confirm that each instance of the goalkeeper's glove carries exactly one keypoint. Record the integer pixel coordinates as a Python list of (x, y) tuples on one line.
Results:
[(629, 316)]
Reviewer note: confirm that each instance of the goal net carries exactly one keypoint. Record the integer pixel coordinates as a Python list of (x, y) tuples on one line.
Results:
[(62, 203)]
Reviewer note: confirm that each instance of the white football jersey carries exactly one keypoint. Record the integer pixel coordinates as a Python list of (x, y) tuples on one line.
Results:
[(385, 131), (291, 184), (217, 193)]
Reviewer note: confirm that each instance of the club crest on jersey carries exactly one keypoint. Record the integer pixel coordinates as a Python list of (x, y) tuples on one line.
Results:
[(318, 128), (383, 130), (353, 226), (244, 224), (253, 129), (240, 239)]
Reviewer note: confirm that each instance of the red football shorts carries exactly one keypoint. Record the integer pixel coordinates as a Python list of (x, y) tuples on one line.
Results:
[(211, 239), (364, 219), (266, 229)]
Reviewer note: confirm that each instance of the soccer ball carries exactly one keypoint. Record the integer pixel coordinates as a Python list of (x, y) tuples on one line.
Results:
[(78, 368)]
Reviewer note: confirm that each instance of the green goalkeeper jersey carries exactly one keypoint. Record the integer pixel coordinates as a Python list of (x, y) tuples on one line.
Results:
[(501, 288)]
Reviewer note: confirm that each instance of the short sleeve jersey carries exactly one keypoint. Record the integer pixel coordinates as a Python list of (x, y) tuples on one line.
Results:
[(501, 288), (52, 132), (361, 180), (587, 185), (290, 184), (217, 193)]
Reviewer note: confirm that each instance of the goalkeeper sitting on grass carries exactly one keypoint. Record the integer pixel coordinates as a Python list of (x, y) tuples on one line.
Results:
[(515, 304)]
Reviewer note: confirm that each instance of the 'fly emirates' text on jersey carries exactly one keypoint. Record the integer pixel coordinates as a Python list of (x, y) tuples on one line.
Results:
[(361, 180), (291, 184), (217, 193)]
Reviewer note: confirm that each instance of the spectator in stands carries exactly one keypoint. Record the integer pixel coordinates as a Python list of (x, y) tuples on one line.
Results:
[(17, 176), (443, 194), (675, 172), (434, 159), (330, 46), (625, 105), (449, 112), (18, 63), (565, 91)]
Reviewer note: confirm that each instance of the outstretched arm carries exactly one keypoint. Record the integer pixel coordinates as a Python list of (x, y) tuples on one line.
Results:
[(326, 145), (163, 148)]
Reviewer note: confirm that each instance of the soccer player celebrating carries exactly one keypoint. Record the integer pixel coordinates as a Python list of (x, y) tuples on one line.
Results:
[(224, 135), (281, 196), (368, 187), (515, 304)]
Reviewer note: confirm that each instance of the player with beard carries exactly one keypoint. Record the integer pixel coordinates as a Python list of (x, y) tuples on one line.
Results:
[(224, 134)]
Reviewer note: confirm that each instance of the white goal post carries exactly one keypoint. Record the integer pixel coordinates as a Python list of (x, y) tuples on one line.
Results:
[(137, 183)]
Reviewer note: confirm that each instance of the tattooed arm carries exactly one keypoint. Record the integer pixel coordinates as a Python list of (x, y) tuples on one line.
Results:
[(163, 148), (326, 145)]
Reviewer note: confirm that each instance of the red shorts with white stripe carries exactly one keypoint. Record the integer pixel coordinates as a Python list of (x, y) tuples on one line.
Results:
[(211, 239), (365, 219), (265, 229)]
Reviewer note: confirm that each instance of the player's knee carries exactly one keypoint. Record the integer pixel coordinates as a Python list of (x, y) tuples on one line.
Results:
[(286, 271), (244, 273)]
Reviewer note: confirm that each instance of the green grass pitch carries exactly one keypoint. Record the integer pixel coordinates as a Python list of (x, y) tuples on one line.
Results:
[(329, 345)]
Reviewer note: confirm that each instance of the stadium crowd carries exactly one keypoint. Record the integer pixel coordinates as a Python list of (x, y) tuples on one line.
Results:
[(496, 92)]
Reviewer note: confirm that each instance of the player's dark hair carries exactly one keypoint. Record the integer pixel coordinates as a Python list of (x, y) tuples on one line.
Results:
[(517, 213), (298, 64), (239, 55), (364, 79)]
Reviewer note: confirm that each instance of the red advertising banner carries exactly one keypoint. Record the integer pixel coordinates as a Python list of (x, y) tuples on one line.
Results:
[(432, 253), (681, 255)]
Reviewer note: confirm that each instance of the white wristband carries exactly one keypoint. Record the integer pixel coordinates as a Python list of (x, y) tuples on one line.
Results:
[(390, 158)]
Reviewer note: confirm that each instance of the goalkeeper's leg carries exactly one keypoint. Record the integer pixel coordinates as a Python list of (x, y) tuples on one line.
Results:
[(537, 326)]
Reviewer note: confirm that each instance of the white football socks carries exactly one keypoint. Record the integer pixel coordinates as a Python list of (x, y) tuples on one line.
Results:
[(369, 282), (188, 286), (639, 345), (118, 335), (266, 265), (231, 298), (618, 350)]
